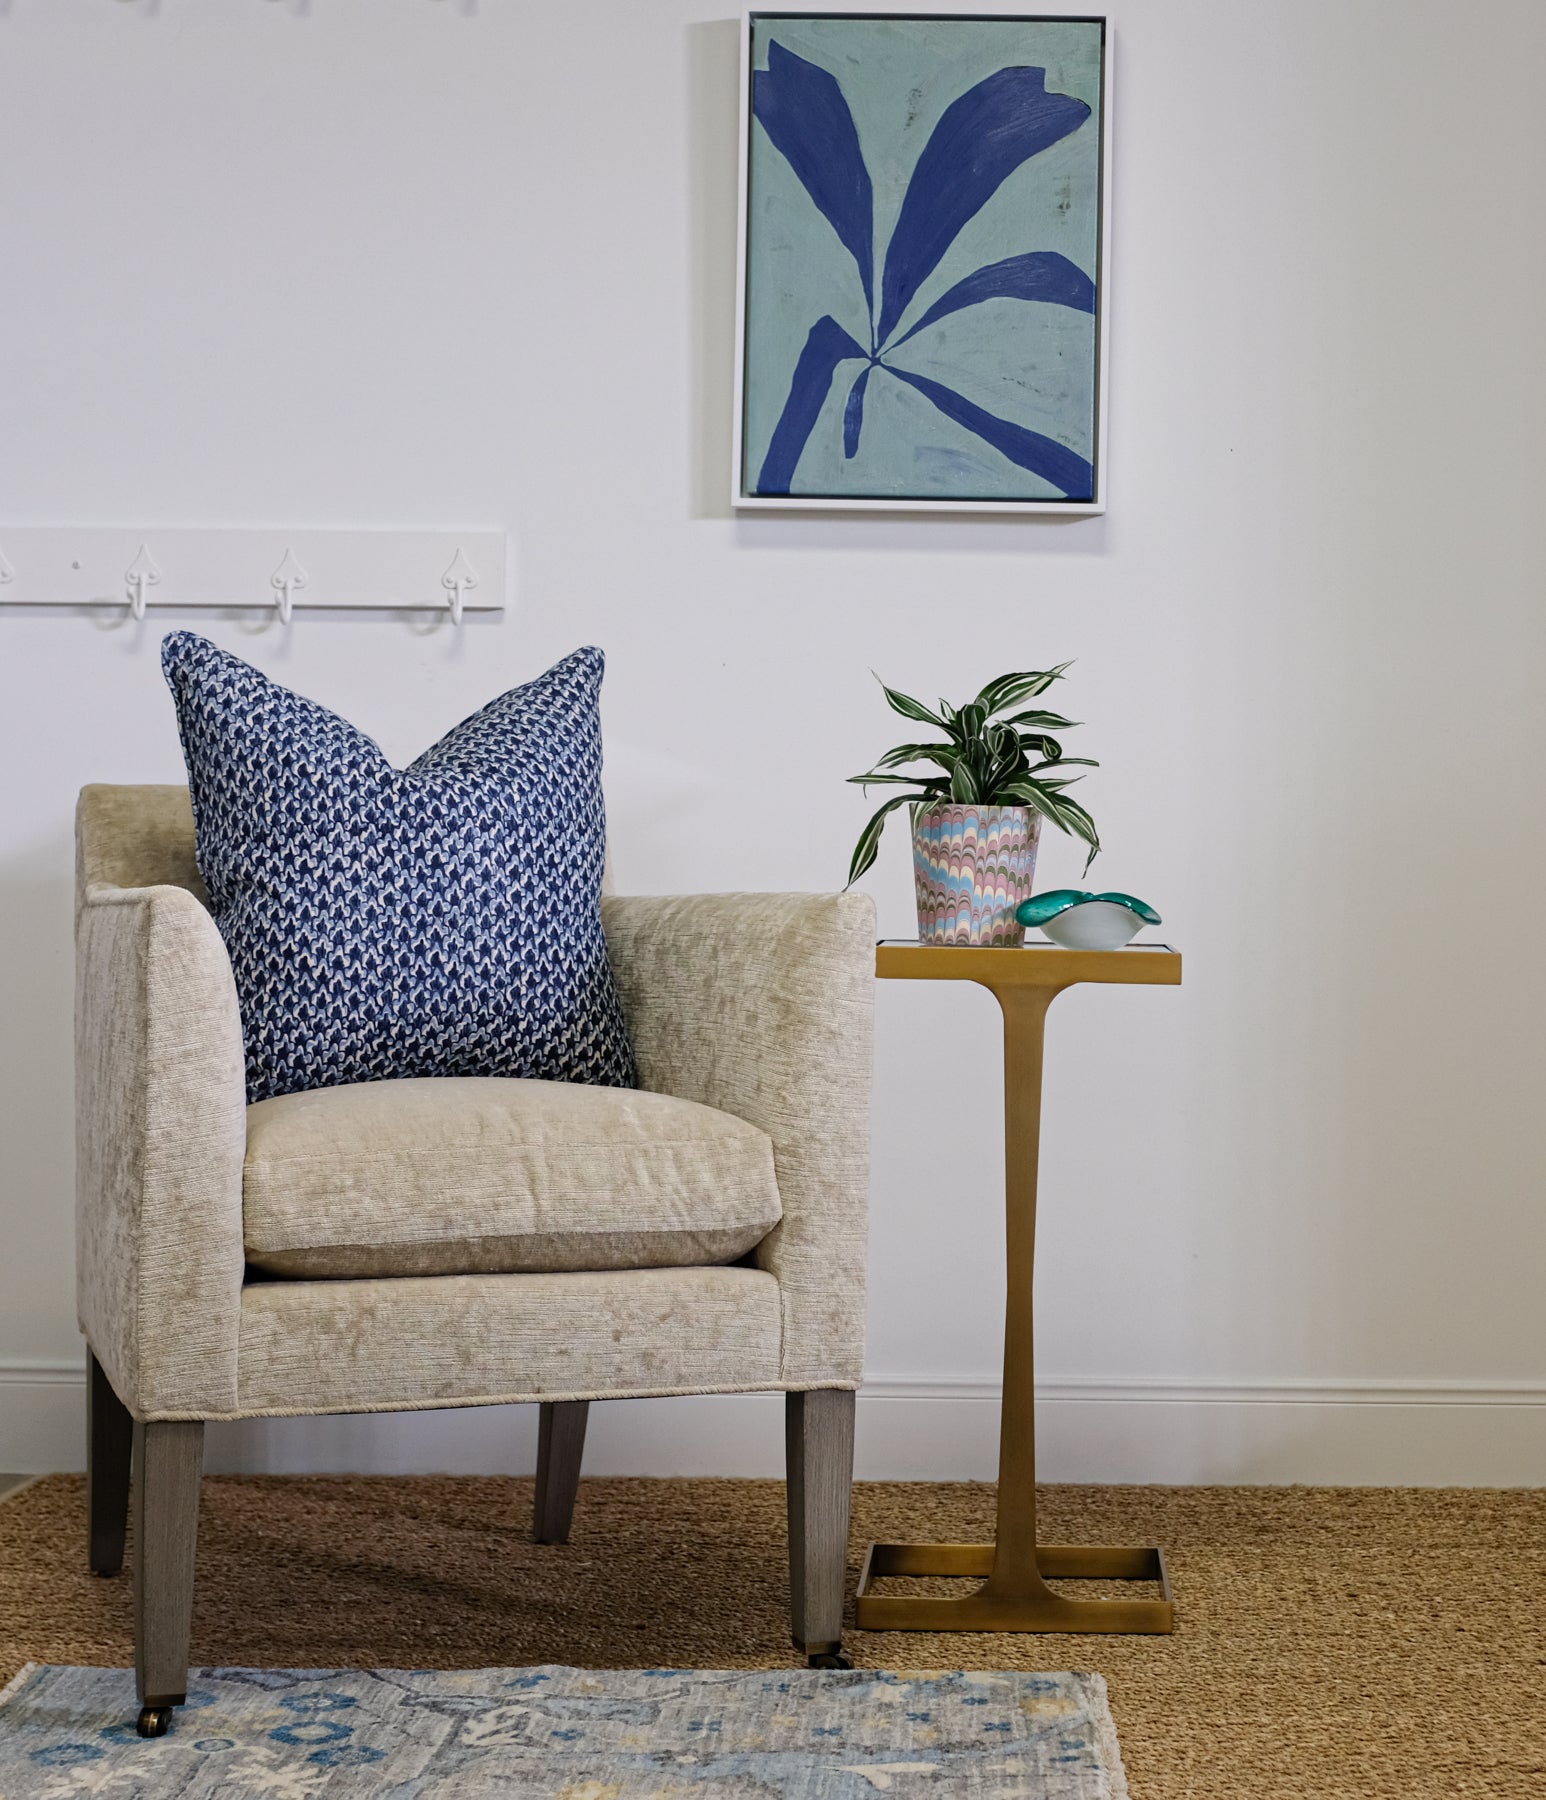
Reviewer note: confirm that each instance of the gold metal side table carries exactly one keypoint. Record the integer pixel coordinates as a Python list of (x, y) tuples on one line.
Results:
[(1015, 1595)]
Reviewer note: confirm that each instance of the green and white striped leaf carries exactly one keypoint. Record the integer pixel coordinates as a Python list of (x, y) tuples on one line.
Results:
[(966, 726), (1037, 743), (1001, 741), (869, 839), (1010, 690), (910, 708), (943, 754), (963, 784), (1066, 762), (1042, 721)]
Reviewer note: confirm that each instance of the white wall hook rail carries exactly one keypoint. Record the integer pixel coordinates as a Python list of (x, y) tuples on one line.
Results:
[(456, 581), (281, 572), (284, 581), (142, 573)]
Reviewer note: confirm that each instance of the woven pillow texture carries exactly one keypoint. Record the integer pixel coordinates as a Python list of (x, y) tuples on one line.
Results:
[(443, 919)]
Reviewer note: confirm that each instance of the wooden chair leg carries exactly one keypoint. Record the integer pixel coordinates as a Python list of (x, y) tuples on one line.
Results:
[(168, 1461), (109, 1442), (560, 1445), (819, 1445)]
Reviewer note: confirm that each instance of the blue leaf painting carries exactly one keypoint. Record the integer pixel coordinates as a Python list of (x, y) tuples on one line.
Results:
[(984, 136), (827, 346), (1038, 275), (853, 412), (803, 110), (1043, 456), (875, 87)]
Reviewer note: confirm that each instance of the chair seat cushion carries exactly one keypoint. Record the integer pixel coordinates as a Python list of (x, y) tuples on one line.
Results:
[(488, 1175)]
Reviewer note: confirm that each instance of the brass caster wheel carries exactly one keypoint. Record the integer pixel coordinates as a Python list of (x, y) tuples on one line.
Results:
[(153, 1721), (829, 1659)]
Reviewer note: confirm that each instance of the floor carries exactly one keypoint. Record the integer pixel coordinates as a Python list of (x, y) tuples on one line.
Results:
[(1345, 1644)]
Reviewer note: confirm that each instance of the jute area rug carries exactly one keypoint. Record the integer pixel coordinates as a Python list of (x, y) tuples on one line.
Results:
[(566, 1734), (1352, 1644)]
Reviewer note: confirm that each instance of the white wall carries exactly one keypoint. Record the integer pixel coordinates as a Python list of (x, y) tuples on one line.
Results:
[(381, 262)]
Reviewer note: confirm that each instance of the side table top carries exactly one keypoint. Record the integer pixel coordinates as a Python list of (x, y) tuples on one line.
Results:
[(1028, 965)]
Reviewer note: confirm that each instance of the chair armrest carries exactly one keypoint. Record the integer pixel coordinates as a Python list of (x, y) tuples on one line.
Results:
[(160, 1107), (761, 1005)]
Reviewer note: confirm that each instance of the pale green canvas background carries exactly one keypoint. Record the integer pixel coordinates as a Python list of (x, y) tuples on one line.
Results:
[(1033, 364)]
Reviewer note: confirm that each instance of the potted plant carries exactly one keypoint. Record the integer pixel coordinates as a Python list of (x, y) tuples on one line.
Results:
[(977, 815)]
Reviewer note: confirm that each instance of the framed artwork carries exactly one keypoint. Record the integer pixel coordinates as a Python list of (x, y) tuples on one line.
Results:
[(921, 293)]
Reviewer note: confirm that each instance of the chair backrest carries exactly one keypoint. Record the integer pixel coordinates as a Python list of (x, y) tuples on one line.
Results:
[(132, 837), (143, 837)]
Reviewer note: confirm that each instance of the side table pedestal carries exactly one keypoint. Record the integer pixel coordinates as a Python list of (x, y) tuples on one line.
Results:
[(1014, 1600), (1014, 1595)]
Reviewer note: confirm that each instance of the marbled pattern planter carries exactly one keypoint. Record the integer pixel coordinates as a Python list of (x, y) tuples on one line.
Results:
[(972, 866)]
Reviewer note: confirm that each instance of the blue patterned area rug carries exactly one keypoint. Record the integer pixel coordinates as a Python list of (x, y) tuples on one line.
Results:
[(564, 1734)]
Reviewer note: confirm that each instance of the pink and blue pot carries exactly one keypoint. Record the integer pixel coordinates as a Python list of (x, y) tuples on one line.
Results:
[(973, 866)]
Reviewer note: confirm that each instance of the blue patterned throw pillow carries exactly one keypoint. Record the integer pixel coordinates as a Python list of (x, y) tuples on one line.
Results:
[(443, 919)]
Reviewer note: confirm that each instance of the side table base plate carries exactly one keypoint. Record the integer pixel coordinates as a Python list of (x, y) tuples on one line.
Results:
[(1013, 1600)]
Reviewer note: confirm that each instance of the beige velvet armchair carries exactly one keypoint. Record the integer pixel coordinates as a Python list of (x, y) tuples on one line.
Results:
[(402, 1245)]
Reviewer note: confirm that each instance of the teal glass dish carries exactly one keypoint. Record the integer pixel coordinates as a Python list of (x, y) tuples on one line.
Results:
[(1082, 921)]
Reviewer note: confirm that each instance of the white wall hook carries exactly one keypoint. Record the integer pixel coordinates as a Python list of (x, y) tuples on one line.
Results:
[(281, 569), (284, 581), (456, 581), (140, 574)]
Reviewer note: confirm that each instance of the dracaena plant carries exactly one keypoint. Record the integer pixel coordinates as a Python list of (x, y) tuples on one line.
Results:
[(985, 759)]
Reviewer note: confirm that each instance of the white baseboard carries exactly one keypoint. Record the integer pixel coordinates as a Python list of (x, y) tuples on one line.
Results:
[(1363, 1433)]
